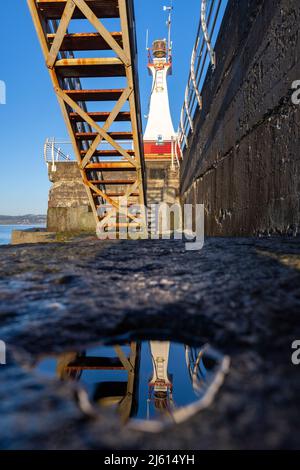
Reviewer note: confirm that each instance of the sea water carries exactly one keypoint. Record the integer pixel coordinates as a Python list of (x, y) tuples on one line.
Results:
[(6, 230)]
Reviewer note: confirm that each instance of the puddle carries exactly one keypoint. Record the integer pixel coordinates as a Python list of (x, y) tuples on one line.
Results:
[(149, 384)]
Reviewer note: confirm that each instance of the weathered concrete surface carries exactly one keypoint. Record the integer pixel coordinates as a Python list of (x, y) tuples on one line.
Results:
[(162, 187), (68, 205), (67, 187), (243, 162), (68, 219), (242, 295), (69, 209), (21, 237), (162, 182)]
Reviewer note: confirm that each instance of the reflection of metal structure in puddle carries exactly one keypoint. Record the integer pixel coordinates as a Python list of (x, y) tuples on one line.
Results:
[(197, 374), (2, 353), (205, 367), (197, 369), (160, 385), (121, 394)]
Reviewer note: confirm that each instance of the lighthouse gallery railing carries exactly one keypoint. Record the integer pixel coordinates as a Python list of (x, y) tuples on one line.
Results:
[(203, 57)]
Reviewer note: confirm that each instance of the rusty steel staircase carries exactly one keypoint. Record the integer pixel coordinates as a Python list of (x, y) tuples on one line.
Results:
[(111, 162), (71, 366)]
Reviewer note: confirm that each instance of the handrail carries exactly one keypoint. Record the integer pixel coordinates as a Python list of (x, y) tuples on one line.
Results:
[(203, 56), (206, 33), (53, 152)]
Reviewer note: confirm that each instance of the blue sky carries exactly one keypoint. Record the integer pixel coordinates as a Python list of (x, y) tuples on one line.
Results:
[(32, 113)]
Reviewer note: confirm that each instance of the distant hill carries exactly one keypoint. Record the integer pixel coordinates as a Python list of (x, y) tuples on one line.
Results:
[(28, 219)]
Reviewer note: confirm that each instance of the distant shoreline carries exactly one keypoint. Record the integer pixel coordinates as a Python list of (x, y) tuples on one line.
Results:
[(21, 225), (27, 219)]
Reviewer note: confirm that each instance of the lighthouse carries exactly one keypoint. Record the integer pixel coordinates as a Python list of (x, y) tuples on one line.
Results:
[(160, 140), (160, 136)]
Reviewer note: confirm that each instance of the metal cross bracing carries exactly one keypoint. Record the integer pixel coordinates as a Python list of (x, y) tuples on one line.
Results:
[(114, 177), (122, 394)]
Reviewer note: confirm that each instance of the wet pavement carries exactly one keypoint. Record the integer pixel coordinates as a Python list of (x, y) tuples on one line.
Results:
[(242, 296)]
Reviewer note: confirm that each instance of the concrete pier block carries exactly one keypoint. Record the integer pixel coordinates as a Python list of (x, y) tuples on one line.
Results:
[(22, 237)]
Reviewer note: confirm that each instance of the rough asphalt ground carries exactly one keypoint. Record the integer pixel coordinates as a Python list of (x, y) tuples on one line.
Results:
[(241, 295)]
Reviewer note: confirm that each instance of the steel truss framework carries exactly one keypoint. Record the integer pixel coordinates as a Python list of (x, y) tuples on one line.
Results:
[(66, 71), (72, 365)]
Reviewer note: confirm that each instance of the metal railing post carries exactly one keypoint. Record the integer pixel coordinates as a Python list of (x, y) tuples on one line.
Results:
[(206, 33), (53, 157), (193, 74), (186, 102), (182, 127)]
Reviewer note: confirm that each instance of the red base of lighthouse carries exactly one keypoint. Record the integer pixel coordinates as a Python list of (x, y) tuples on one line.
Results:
[(166, 150)]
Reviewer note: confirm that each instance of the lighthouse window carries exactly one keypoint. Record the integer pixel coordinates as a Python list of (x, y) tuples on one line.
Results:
[(160, 140), (160, 81)]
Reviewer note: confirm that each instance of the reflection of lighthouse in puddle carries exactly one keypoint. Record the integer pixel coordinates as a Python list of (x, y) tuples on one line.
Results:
[(160, 385), (144, 382)]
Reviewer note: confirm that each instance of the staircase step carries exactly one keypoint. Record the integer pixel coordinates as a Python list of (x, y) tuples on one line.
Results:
[(96, 363), (85, 41), (112, 182), (118, 195), (101, 206), (94, 95), (53, 9), (111, 166), (107, 153), (88, 68), (101, 117), (114, 135), (123, 225)]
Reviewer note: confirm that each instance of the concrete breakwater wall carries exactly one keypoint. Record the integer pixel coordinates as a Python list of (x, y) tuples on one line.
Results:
[(68, 206), (243, 158)]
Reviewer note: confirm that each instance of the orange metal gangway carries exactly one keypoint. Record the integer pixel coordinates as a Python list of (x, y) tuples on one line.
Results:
[(111, 162)]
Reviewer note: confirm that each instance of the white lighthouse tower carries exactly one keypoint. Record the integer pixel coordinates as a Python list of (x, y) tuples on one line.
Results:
[(160, 137)]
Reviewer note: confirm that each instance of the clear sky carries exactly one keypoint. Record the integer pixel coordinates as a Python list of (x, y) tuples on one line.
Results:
[(32, 113)]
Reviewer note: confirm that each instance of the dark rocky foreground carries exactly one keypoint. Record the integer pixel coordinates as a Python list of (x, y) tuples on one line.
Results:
[(242, 295)]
